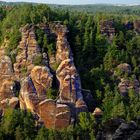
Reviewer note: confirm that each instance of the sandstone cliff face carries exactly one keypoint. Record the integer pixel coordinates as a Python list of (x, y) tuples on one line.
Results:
[(28, 51), (7, 84), (34, 88), (54, 115), (70, 84)]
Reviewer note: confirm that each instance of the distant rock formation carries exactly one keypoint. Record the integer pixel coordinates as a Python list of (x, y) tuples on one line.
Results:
[(126, 84), (107, 28)]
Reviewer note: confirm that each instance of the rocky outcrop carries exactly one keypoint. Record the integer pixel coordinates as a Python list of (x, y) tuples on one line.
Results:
[(54, 115), (70, 84), (28, 51), (98, 112), (42, 80), (124, 68), (127, 131), (107, 28), (127, 83), (129, 25), (34, 88), (7, 84)]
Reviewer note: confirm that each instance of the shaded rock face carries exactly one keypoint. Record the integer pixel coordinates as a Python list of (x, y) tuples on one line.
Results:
[(118, 129), (28, 51), (7, 84), (127, 131), (129, 25)]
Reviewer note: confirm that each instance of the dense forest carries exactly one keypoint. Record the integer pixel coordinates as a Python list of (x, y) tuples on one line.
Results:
[(100, 56)]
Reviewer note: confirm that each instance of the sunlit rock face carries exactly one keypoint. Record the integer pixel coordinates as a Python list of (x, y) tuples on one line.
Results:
[(7, 83), (28, 51), (125, 68), (42, 79), (34, 88), (54, 115)]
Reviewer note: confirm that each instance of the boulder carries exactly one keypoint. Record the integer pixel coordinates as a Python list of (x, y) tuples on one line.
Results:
[(124, 68), (47, 112), (125, 85), (125, 131), (97, 112)]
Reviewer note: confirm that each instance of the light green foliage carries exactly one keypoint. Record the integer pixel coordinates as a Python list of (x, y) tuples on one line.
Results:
[(24, 70), (52, 93), (37, 60)]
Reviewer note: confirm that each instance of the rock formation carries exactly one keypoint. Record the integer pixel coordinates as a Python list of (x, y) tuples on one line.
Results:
[(34, 88), (129, 25), (54, 115), (124, 68), (69, 79), (35, 81), (28, 51), (126, 84), (107, 28), (7, 84)]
